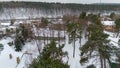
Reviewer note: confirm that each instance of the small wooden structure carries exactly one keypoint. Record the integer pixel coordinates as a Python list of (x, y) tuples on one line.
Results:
[(109, 26)]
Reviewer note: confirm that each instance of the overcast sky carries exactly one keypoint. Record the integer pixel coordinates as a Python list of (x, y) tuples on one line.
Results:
[(72, 1)]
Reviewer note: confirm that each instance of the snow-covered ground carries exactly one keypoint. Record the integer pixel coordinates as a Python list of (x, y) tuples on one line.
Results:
[(5, 61), (113, 39), (73, 61), (30, 47)]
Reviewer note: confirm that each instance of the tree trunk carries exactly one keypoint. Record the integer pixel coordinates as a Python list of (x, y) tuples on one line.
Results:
[(88, 35), (38, 49), (59, 37), (80, 42), (64, 34), (44, 37), (109, 63), (101, 61), (104, 63), (117, 34), (74, 50), (36, 39), (74, 47), (47, 38), (80, 39)]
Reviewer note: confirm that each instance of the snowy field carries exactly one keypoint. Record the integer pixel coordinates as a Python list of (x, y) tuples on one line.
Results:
[(5, 61), (30, 47)]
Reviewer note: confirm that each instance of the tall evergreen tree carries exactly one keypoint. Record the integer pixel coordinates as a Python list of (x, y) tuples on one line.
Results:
[(97, 42), (74, 32), (21, 37), (44, 22), (25, 31), (51, 57), (82, 15), (117, 24), (19, 42), (112, 15)]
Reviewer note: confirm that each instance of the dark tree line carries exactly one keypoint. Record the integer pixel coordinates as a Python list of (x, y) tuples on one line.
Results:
[(59, 6)]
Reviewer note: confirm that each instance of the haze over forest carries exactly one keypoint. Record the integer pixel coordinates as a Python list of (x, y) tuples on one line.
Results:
[(39, 9), (71, 1)]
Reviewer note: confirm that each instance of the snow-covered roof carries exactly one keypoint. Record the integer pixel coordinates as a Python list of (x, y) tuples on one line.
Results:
[(5, 24), (11, 27), (108, 23), (18, 22)]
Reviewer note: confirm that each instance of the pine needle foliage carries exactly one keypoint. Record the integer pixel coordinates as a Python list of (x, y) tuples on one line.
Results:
[(51, 57)]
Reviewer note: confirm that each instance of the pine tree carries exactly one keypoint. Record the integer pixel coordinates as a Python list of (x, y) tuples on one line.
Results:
[(19, 41), (44, 22), (1, 47), (74, 32), (112, 15), (82, 15), (24, 31), (91, 66), (22, 34), (117, 24), (50, 57), (97, 42)]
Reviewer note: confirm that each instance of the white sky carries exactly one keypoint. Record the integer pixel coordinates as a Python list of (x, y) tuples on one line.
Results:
[(72, 1)]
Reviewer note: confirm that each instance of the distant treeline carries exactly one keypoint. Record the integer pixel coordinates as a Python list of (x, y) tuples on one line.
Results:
[(59, 6)]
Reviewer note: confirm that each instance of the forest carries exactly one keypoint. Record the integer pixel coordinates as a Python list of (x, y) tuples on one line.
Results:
[(33, 36), (59, 6)]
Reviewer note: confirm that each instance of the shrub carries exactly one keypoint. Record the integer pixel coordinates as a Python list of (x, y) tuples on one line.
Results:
[(84, 60), (1, 47), (12, 21), (18, 60), (10, 56), (112, 15), (82, 15), (91, 66), (7, 31), (10, 43), (19, 42)]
